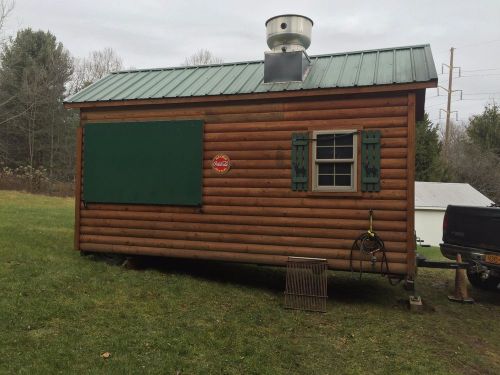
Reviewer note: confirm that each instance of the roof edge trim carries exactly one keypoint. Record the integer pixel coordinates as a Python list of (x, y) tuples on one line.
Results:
[(402, 87)]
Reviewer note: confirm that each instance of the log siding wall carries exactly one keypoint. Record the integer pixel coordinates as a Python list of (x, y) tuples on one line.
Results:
[(251, 214)]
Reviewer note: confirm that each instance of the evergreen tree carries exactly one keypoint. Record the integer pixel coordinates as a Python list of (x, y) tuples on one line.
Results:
[(484, 129), (428, 147), (34, 70)]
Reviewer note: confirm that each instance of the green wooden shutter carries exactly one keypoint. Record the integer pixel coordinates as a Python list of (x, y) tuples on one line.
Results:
[(370, 159), (300, 161)]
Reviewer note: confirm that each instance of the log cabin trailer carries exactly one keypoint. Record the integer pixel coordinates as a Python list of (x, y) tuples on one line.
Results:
[(255, 161)]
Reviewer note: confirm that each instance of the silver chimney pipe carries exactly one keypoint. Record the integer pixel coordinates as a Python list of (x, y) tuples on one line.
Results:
[(289, 32), (288, 37)]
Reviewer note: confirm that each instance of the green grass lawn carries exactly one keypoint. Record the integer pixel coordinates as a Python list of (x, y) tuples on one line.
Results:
[(59, 312)]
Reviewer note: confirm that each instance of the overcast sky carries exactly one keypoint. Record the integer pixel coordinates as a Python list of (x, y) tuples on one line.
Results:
[(154, 33)]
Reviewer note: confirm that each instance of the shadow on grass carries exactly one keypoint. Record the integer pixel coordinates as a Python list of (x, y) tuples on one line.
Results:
[(370, 289), (486, 298), (343, 287)]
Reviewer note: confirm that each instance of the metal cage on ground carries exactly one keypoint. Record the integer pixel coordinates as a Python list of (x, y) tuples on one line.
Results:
[(306, 284)]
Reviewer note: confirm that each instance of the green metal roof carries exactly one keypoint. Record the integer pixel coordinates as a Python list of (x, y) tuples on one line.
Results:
[(351, 69)]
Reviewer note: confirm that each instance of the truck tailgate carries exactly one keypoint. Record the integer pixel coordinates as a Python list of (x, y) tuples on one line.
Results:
[(477, 227)]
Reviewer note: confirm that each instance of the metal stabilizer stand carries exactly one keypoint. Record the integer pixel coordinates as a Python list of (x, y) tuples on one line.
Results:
[(414, 299), (460, 293)]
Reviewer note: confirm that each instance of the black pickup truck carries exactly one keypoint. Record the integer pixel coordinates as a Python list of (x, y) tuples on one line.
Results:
[(474, 232)]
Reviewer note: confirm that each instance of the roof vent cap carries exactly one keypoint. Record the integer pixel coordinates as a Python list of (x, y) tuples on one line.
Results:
[(289, 32)]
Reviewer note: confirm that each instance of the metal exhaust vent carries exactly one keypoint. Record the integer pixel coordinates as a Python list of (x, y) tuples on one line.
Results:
[(306, 284), (288, 37)]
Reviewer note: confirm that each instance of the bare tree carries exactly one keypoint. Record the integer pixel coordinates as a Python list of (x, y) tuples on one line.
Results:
[(93, 67), (471, 163), (33, 73), (202, 57), (6, 7)]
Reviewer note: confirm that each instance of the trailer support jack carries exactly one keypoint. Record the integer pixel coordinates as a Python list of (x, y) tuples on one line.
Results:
[(460, 293)]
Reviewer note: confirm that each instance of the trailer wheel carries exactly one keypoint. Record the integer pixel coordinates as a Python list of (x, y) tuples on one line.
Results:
[(490, 284)]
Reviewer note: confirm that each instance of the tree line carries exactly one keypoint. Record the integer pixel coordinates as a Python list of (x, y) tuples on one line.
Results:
[(471, 156), (37, 135)]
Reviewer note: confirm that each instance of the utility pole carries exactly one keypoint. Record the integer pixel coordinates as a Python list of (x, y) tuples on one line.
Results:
[(448, 106), (450, 91)]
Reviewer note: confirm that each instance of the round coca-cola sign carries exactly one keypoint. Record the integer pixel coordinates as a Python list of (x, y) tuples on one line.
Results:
[(221, 163)]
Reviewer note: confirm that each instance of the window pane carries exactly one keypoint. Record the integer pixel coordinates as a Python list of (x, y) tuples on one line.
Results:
[(342, 180), (325, 180), (324, 153), (331, 175), (343, 168), (325, 168), (324, 139), (343, 152), (343, 140)]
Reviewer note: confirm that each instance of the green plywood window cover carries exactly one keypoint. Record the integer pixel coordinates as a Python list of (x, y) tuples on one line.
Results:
[(158, 162)]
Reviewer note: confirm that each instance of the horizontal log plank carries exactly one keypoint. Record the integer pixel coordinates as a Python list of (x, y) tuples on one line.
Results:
[(392, 190), (261, 213), (252, 155), (394, 184), (247, 224), (229, 232), (253, 146), (278, 164), (274, 248), (282, 135), (238, 108), (393, 153), (286, 155), (395, 257), (304, 212), (337, 264), (288, 193), (246, 182), (393, 163), (249, 173), (400, 121), (346, 113), (248, 146), (236, 164), (180, 111), (277, 114), (313, 205), (393, 173)]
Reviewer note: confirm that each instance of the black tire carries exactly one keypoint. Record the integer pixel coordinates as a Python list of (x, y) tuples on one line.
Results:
[(477, 281)]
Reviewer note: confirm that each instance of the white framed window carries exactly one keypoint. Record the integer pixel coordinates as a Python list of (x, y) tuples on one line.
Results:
[(334, 157)]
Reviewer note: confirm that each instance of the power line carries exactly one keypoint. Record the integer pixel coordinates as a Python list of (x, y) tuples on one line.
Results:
[(479, 43), (484, 93), (474, 96), (435, 105), (480, 70), (433, 97), (480, 75), (481, 99)]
